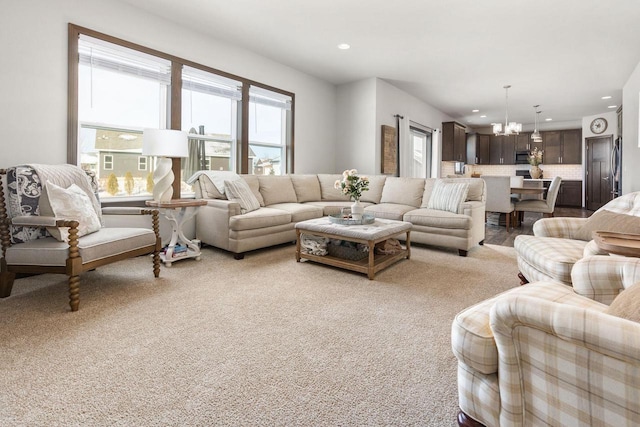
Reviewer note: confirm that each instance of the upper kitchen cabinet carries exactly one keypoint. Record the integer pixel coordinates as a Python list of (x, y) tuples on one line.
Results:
[(483, 149), (523, 142), (454, 142), (502, 150), (562, 147)]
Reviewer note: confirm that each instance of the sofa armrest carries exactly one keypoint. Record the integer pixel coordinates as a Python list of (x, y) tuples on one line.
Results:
[(549, 346), (212, 222), (557, 227), (36, 221), (602, 277), (476, 210)]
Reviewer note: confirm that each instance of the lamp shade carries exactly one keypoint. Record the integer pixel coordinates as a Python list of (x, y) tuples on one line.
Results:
[(165, 143)]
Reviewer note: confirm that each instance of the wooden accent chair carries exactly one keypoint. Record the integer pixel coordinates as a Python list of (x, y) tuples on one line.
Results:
[(35, 242)]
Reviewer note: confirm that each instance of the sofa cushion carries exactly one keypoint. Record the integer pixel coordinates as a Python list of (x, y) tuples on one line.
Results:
[(69, 203), (374, 194), (403, 191), (388, 210), (447, 196), (307, 188), (332, 207), (277, 189), (626, 304), (261, 218), (438, 219), (298, 211), (605, 220), (239, 191), (553, 256), (327, 187), (254, 185)]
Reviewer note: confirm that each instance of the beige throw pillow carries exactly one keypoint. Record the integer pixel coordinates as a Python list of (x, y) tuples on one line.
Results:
[(604, 220), (70, 203), (448, 196), (239, 191), (626, 304)]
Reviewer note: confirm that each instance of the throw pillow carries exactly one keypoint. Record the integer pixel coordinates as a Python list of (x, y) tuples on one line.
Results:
[(448, 196), (74, 204), (604, 220), (239, 191), (626, 304)]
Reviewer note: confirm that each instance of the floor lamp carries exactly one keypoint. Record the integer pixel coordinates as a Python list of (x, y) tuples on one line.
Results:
[(165, 144)]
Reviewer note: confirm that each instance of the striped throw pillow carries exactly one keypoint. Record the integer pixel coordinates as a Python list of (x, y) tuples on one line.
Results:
[(448, 196), (239, 191)]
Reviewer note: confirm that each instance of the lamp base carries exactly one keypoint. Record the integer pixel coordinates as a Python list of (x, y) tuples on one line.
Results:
[(163, 180)]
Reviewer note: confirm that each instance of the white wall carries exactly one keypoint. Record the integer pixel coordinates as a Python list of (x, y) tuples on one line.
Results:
[(356, 127), (391, 101), (33, 40), (630, 137)]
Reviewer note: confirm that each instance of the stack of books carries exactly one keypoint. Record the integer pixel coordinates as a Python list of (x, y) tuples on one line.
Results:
[(178, 250)]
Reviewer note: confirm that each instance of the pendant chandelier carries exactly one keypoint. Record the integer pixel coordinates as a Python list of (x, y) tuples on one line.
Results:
[(535, 136), (512, 128)]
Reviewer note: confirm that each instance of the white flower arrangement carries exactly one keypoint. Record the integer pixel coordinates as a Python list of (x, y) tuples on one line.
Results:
[(535, 156), (351, 184)]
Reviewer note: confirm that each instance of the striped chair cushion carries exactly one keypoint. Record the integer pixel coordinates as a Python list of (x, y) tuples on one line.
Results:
[(551, 255)]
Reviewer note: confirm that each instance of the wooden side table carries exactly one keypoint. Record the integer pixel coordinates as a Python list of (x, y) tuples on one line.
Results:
[(178, 211), (618, 243)]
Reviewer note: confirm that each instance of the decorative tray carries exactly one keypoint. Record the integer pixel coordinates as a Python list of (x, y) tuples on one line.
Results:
[(339, 219), (618, 243)]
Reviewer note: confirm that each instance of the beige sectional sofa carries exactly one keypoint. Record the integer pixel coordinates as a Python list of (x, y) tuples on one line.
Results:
[(286, 200)]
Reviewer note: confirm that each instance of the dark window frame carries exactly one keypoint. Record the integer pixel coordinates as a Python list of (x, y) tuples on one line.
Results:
[(175, 108)]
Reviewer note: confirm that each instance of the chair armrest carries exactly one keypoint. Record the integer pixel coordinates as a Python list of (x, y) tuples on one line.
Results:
[(550, 344), (37, 221), (602, 277), (557, 227)]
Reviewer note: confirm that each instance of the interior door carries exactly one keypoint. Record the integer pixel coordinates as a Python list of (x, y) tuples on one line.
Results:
[(599, 182)]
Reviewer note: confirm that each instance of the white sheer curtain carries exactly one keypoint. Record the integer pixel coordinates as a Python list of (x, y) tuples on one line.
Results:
[(406, 147), (435, 153)]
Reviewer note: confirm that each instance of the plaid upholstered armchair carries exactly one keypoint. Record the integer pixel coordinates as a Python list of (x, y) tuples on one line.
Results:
[(558, 243), (52, 223), (541, 354)]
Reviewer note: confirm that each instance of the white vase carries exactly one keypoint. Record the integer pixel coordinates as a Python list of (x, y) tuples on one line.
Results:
[(357, 210), (535, 172)]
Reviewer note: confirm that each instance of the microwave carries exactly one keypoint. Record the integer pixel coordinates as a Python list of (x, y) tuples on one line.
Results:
[(522, 157)]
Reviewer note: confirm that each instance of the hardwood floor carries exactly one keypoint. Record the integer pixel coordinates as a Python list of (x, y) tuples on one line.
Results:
[(497, 235)]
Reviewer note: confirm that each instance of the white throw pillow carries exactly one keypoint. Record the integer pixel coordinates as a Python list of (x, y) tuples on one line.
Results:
[(448, 196), (239, 191), (73, 204)]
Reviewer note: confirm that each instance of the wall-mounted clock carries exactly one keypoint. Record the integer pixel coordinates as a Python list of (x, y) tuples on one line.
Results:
[(598, 125)]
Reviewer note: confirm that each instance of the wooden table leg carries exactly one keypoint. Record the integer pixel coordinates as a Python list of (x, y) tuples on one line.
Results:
[(408, 244), (297, 245), (372, 248)]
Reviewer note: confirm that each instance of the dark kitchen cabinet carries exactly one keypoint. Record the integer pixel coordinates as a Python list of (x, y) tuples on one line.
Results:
[(482, 149), (502, 150), (562, 147), (523, 142), (454, 142), (570, 194)]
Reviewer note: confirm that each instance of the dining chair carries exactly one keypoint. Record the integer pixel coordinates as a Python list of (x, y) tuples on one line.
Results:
[(545, 206), (499, 196)]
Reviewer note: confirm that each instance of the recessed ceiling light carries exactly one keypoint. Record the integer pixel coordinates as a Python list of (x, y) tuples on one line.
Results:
[(606, 97), (548, 120), (475, 111), (612, 106), (344, 46), (483, 116)]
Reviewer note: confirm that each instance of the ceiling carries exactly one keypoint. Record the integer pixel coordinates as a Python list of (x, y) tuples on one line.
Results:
[(455, 55)]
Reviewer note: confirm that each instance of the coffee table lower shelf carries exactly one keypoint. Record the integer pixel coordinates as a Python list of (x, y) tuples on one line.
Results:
[(365, 265)]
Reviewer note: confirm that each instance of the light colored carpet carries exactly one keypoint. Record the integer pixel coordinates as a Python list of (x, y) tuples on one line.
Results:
[(262, 341)]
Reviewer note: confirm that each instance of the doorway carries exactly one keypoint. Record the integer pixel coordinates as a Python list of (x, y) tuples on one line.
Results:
[(599, 182)]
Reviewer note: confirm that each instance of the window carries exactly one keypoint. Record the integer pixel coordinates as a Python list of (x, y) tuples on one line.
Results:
[(269, 131), (108, 162), (117, 89), (420, 166)]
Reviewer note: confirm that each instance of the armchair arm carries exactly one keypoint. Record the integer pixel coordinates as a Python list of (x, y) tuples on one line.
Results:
[(37, 221), (557, 227), (602, 277), (570, 352)]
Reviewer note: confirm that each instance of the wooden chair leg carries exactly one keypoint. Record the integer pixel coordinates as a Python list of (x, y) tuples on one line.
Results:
[(6, 283), (74, 292), (466, 421), (508, 219)]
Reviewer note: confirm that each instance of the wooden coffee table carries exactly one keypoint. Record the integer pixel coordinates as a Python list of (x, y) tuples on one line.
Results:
[(369, 234)]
